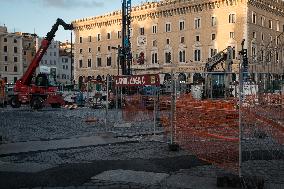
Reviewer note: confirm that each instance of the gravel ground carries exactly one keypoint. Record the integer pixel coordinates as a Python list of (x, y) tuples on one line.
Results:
[(142, 153), (127, 151), (25, 125)]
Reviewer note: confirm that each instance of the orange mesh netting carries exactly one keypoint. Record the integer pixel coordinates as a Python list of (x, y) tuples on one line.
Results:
[(138, 108), (210, 128)]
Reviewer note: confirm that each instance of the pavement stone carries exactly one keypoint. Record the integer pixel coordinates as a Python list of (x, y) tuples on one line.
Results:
[(92, 187), (26, 167), (140, 177), (191, 182), (18, 125), (31, 146)]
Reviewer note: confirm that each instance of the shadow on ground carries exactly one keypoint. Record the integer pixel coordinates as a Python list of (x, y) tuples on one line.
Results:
[(78, 174)]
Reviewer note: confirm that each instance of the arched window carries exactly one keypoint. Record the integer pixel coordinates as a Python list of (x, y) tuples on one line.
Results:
[(15, 68)]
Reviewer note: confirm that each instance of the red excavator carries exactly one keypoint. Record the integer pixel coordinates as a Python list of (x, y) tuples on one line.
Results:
[(38, 91)]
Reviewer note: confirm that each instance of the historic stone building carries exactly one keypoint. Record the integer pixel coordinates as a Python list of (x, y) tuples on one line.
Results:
[(11, 55), (16, 53), (29, 49), (65, 66), (50, 58), (181, 35)]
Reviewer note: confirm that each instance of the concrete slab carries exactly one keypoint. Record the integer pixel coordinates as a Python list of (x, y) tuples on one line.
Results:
[(191, 182), (139, 177), (123, 125), (23, 167), (32, 146)]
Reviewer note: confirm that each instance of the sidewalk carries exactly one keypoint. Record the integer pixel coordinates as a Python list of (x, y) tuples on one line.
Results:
[(201, 177), (33, 146)]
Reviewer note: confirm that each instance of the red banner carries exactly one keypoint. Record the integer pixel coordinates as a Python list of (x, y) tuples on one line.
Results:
[(137, 80)]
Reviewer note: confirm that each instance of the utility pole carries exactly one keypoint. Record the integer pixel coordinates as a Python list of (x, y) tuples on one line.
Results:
[(243, 69), (71, 76), (125, 51)]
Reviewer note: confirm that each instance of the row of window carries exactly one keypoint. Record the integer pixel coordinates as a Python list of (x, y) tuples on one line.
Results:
[(154, 42), (50, 53), (6, 59), (5, 49), (6, 40), (154, 58), (65, 67), (168, 27), (64, 76), (65, 60), (15, 69), (263, 23), (51, 62), (264, 55), (99, 62), (254, 36)]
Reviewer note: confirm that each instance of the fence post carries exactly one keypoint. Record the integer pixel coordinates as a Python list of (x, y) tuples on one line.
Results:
[(107, 80), (172, 107), (116, 97), (155, 101), (241, 77)]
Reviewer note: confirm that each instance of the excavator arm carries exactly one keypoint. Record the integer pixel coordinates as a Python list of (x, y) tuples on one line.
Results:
[(27, 77), (223, 55)]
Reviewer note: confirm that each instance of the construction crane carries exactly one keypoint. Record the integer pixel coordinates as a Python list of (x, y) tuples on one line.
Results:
[(224, 55), (125, 50), (40, 91)]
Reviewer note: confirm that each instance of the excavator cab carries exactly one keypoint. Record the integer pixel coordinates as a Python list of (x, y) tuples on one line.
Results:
[(42, 80)]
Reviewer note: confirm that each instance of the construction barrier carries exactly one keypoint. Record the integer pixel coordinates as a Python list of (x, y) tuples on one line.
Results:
[(138, 108), (210, 129)]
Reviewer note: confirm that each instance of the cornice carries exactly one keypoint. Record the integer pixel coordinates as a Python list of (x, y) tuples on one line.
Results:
[(169, 8), (273, 6)]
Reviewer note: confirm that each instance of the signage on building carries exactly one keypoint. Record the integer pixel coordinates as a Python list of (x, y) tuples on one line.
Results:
[(137, 80)]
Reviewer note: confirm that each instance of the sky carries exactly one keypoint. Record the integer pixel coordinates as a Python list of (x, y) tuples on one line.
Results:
[(38, 16)]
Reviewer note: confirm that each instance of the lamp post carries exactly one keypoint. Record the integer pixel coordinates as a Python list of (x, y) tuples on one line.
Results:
[(71, 76)]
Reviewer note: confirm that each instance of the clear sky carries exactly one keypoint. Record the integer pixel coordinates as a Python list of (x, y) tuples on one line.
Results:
[(39, 15)]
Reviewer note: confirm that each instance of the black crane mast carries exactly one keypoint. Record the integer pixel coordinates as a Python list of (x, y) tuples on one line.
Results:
[(125, 50)]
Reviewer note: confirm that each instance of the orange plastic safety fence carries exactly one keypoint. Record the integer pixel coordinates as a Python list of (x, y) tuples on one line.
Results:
[(138, 108), (210, 128)]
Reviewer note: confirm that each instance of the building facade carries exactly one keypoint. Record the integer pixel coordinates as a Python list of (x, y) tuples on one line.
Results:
[(11, 55), (180, 35), (18, 49), (29, 49), (50, 58), (65, 66)]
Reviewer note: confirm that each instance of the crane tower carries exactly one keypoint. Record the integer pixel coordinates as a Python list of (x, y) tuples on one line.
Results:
[(125, 51)]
